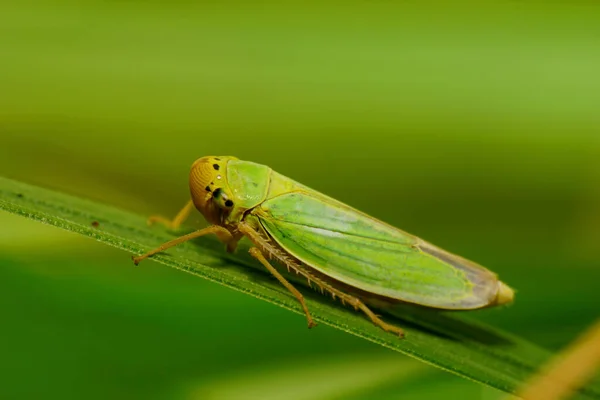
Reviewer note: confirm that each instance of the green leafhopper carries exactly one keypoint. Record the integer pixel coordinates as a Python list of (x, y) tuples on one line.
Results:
[(343, 251)]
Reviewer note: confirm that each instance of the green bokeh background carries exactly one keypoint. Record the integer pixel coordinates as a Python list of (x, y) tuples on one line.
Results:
[(474, 127)]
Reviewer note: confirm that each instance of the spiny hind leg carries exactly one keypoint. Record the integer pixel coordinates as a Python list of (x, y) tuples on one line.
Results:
[(376, 320), (264, 243), (359, 305), (256, 253), (175, 222)]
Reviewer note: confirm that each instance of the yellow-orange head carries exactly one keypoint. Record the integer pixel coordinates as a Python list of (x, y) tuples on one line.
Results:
[(209, 189)]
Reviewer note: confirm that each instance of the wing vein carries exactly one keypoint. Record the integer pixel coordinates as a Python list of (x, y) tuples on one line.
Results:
[(286, 221)]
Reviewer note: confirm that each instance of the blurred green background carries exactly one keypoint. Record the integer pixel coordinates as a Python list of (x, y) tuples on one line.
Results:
[(474, 127)]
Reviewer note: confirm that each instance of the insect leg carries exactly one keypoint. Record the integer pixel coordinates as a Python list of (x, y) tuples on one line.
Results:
[(357, 303), (273, 251), (256, 253), (175, 222), (346, 298), (222, 233), (351, 300)]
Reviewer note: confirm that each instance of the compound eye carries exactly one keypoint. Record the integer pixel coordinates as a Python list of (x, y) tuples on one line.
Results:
[(222, 200)]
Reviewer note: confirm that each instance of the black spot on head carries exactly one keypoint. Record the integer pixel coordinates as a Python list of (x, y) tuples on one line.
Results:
[(216, 167), (207, 188), (229, 203), (217, 192)]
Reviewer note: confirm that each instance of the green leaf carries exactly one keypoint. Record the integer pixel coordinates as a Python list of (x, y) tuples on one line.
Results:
[(451, 341)]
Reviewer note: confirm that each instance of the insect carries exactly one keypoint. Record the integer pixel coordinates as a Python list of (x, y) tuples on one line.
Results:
[(344, 252)]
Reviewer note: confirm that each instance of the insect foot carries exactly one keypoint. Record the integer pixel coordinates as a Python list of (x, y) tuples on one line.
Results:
[(394, 329), (159, 219)]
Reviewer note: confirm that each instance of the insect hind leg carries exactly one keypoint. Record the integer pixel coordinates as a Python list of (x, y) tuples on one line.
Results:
[(358, 304), (352, 301), (256, 253), (265, 247)]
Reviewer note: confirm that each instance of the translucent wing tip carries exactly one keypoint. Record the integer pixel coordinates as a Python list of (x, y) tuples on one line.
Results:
[(504, 295)]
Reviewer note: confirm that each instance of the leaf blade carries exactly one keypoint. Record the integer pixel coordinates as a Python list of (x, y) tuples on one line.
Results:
[(449, 341)]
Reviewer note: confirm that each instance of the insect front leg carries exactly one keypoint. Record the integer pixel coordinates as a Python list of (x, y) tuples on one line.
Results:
[(231, 241), (256, 253), (222, 233), (175, 222)]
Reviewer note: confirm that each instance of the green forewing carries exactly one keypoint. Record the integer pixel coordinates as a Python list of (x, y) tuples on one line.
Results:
[(365, 253)]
